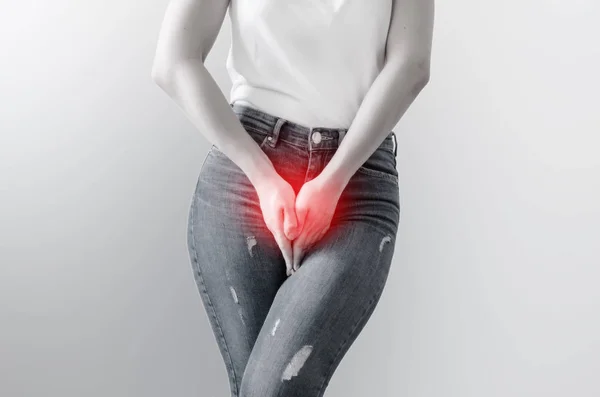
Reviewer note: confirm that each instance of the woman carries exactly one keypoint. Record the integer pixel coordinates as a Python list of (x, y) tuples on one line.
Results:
[(293, 221)]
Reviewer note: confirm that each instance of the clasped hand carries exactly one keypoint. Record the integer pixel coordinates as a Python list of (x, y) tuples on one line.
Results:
[(298, 222)]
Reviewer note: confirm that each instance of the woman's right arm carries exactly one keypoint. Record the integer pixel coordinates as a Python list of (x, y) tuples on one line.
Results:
[(187, 34)]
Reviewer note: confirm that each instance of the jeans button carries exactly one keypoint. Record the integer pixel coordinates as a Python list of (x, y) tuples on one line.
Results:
[(316, 137)]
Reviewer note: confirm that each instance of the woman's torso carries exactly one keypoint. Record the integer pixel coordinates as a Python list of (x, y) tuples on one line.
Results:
[(308, 61)]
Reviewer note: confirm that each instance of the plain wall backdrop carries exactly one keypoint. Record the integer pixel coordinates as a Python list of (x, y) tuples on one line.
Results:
[(494, 287)]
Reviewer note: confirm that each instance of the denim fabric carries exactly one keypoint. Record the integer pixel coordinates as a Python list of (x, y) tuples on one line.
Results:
[(278, 335)]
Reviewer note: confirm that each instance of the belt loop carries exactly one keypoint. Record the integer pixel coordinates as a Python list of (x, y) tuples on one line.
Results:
[(274, 136), (395, 144)]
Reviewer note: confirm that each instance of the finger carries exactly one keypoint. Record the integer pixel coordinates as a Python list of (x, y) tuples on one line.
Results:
[(298, 251), (301, 212), (285, 243), (290, 222), (285, 246), (300, 242), (304, 243), (322, 234)]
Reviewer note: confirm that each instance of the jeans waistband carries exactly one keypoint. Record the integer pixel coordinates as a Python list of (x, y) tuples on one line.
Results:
[(310, 138)]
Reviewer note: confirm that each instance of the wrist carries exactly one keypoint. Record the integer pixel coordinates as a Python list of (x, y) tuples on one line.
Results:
[(334, 180), (258, 168)]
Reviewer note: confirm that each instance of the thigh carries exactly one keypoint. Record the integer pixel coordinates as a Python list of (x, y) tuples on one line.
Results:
[(237, 265), (319, 312)]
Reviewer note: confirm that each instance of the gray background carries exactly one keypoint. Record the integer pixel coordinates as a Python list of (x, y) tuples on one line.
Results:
[(494, 286)]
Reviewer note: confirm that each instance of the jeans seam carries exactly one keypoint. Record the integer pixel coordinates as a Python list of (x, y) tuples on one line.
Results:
[(256, 130), (231, 369), (350, 336)]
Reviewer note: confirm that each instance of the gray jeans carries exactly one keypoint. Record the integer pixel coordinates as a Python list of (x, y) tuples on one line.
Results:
[(278, 335)]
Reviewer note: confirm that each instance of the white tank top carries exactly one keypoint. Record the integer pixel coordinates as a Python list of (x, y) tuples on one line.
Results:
[(307, 61)]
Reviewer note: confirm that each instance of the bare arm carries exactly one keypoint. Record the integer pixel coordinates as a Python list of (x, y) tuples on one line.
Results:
[(405, 73), (187, 34)]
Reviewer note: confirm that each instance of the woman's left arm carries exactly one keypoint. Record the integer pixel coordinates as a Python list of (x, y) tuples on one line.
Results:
[(403, 76), (405, 73)]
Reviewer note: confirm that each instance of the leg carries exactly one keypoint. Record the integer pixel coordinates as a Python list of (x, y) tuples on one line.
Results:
[(319, 312), (237, 265)]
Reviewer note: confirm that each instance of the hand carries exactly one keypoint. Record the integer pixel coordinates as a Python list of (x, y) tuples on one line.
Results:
[(277, 199), (315, 207)]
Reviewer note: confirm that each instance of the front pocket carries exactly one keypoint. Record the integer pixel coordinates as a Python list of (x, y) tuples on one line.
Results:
[(381, 164), (379, 174)]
